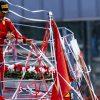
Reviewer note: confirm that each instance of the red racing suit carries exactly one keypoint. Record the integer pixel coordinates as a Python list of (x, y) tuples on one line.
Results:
[(6, 25)]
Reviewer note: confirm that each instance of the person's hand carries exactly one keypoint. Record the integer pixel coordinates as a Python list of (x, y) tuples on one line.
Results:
[(29, 41), (10, 36)]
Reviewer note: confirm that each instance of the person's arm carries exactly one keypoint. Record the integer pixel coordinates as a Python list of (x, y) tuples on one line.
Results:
[(17, 34), (14, 31), (2, 35)]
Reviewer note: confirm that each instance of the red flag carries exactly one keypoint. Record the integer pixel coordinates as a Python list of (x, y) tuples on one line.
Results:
[(62, 68), (2, 98), (56, 95)]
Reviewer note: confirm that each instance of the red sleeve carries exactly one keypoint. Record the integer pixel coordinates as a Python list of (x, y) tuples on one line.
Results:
[(15, 31), (2, 35)]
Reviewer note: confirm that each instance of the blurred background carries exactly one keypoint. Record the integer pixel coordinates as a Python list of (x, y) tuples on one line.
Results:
[(80, 16)]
